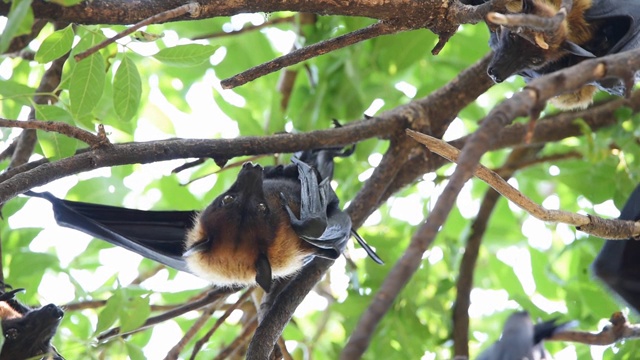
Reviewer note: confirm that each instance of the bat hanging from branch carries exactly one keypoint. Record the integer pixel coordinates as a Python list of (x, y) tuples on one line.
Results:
[(618, 263), (537, 37), (267, 225), (522, 339), (28, 332)]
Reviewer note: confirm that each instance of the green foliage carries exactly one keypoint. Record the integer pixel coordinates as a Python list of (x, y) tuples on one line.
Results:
[(55, 45), (174, 93)]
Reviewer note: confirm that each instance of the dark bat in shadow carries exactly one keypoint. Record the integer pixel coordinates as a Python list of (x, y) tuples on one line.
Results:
[(267, 225), (618, 263), (28, 332)]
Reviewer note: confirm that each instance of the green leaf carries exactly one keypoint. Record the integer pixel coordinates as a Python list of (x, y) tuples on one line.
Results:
[(18, 14), (134, 351), (55, 146), (185, 55), (111, 311), (15, 91), (127, 90), (55, 45), (86, 85), (135, 313)]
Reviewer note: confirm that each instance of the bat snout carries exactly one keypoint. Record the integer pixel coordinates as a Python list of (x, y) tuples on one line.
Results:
[(493, 74), (52, 311)]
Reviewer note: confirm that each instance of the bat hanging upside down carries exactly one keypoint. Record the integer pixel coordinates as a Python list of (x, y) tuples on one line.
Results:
[(28, 332), (618, 263), (267, 225), (591, 28)]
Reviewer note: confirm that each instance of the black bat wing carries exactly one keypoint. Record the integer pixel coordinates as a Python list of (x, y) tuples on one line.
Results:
[(322, 223), (618, 263), (156, 235)]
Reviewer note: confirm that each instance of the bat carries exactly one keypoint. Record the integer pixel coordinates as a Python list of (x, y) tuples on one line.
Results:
[(617, 262), (267, 225), (28, 332), (522, 339), (592, 28)]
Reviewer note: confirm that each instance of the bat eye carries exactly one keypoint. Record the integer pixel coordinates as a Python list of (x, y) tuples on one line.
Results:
[(11, 334), (536, 61), (262, 207), (228, 199)]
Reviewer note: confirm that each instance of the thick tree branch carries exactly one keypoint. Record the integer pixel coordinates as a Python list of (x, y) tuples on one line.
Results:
[(416, 13), (148, 152)]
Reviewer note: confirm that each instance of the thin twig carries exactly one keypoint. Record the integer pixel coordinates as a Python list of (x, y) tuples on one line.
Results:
[(239, 340), (221, 319), (294, 57), (210, 297), (590, 224), (191, 8), (276, 21), (58, 127)]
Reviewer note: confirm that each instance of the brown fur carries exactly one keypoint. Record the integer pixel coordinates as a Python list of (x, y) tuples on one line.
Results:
[(574, 29), (580, 99), (229, 264), (7, 312)]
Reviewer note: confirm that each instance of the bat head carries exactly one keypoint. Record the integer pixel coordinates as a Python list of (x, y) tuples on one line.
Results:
[(231, 239), (522, 48), (30, 334)]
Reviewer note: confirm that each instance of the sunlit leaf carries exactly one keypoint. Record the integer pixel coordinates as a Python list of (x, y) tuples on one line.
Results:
[(127, 89), (185, 55), (55, 45), (87, 85)]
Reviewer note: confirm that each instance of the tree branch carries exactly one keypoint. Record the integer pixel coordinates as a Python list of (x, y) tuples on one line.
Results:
[(619, 329), (308, 52), (191, 8), (147, 152), (59, 127), (464, 284), (216, 294), (590, 224)]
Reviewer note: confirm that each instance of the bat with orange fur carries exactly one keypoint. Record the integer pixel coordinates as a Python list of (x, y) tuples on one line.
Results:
[(267, 225)]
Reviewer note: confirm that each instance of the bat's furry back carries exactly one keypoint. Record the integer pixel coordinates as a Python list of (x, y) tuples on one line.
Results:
[(592, 28)]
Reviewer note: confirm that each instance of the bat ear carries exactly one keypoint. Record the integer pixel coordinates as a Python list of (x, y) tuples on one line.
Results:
[(576, 50), (263, 272)]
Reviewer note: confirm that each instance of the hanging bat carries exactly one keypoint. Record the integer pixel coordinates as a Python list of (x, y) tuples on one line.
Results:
[(521, 339), (267, 225), (617, 263), (592, 28), (28, 332)]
